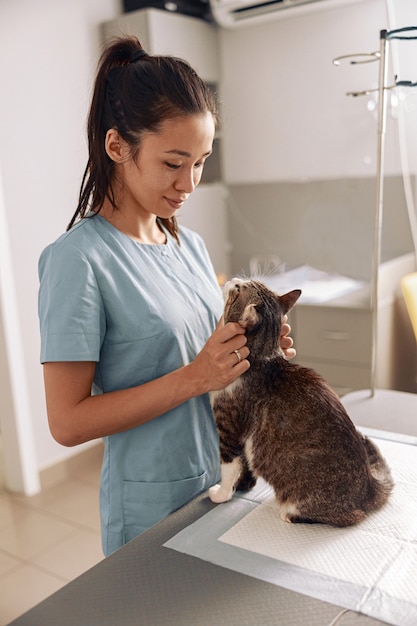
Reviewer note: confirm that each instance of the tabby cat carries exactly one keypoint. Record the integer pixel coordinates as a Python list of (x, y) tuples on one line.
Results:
[(283, 423)]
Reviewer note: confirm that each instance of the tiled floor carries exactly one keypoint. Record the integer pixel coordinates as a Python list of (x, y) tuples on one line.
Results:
[(47, 540)]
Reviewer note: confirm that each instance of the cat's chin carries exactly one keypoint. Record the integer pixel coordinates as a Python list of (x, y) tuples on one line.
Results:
[(218, 494)]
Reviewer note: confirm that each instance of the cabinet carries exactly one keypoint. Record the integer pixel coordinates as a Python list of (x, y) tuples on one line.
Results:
[(163, 32), (335, 338)]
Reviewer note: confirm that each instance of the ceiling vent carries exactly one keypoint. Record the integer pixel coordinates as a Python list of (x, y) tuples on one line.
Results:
[(235, 13)]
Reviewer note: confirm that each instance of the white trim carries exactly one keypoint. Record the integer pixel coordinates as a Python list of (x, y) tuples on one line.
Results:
[(19, 460)]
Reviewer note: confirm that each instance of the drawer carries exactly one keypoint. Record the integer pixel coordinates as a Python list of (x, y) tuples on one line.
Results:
[(333, 334), (342, 378)]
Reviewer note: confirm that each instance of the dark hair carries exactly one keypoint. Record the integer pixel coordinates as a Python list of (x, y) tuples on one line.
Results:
[(134, 93)]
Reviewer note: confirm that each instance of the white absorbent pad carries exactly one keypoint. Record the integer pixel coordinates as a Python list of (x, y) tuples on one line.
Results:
[(370, 568)]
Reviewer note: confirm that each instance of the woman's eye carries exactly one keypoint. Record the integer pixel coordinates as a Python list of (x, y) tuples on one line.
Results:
[(173, 166)]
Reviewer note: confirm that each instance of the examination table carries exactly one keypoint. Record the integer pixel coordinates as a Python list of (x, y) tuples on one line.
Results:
[(145, 583)]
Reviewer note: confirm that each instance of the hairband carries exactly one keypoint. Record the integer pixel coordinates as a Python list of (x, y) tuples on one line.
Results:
[(138, 54)]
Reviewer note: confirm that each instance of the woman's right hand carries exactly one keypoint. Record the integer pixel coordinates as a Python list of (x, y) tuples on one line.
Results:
[(218, 365)]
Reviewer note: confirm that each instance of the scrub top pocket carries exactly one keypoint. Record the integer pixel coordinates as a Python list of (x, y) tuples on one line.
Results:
[(146, 503)]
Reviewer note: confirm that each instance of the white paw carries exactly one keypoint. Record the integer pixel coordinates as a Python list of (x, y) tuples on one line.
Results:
[(218, 494), (287, 510)]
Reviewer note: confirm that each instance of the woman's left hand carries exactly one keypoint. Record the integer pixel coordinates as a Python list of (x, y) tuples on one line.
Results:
[(285, 341)]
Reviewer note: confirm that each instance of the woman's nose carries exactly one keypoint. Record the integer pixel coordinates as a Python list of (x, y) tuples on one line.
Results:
[(187, 181)]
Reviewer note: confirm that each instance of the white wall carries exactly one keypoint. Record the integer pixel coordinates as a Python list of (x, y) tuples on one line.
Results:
[(48, 50), (297, 150), (286, 115)]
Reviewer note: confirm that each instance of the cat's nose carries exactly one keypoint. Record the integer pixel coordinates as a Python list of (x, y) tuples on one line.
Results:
[(231, 284)]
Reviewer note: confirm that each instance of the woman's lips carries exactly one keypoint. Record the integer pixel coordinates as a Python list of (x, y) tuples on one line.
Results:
[(175, 204)]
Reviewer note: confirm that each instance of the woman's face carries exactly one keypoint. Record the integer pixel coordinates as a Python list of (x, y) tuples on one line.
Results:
[(167, 168)]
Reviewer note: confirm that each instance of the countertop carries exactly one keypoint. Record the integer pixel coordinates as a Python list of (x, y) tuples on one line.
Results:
[(145, 583)]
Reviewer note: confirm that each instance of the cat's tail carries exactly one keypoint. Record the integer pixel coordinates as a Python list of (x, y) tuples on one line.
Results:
[(382, 482)]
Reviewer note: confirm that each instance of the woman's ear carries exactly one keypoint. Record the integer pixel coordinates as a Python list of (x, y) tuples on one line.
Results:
[(114, 145)]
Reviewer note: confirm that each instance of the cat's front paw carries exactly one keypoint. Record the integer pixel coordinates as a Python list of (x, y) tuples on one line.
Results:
[(219, 494)]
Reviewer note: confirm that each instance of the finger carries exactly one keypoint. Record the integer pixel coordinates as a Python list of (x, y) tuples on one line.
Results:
[(285, 330), (239, 355), (224, 332), (290, 353), (236, 355), (286, 342), (237, 343), (220, 323), (240, 368), (231, 329)]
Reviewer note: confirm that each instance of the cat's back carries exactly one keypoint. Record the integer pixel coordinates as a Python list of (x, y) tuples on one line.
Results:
[(299, 400), (279, 377)]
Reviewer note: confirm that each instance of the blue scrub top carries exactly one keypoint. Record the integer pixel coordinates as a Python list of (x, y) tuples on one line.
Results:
[(140, 311)]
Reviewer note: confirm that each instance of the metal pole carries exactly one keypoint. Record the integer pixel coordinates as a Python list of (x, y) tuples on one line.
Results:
[(379, 201)]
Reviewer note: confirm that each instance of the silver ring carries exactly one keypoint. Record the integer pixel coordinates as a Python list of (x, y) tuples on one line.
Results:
[(239, 356)]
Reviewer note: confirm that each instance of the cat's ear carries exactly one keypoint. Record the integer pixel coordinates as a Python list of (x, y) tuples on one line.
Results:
[(249, 317), (288, 300)]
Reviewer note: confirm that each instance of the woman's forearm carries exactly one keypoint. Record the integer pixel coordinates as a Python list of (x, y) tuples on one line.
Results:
[(80, 419)]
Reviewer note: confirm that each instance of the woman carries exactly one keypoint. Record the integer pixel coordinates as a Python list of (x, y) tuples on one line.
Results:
[(129, 302)]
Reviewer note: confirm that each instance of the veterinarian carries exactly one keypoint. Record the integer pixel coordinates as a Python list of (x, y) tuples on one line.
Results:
[(129, 303)]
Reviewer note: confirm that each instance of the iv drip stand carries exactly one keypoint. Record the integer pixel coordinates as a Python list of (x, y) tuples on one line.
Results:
[(382, 100), (382, 107)]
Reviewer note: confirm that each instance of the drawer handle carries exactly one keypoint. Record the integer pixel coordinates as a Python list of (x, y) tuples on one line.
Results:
[(334, 335)]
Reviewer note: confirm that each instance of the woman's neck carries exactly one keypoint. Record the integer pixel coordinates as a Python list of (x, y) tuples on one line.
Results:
[(146, 231)]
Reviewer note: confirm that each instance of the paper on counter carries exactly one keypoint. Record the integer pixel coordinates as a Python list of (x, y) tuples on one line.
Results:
[(316, 286)]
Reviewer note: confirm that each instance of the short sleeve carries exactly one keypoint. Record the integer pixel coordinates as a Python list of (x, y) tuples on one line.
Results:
[(71, 312)]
